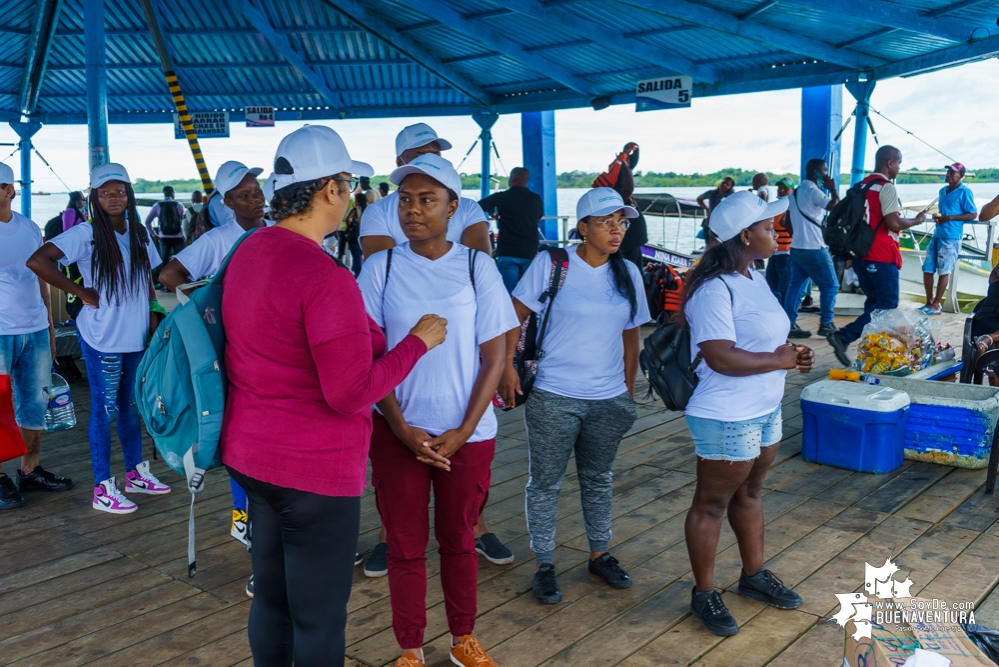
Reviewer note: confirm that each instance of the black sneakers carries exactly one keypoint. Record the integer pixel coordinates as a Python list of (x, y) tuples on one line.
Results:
[(766, 587), (40, 479), (493, 550), (826, 329), (709, 609), (606, 567), (377, 563), (545, 586), (839, 347), (798, 332), (10, 497)]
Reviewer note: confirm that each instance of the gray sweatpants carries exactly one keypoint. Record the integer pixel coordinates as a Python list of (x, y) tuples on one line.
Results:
[(556, 427)]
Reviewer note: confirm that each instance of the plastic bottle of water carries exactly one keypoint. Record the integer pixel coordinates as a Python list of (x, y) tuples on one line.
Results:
[(60, 414)]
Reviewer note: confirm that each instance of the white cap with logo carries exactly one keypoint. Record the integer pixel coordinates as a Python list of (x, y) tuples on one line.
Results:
[(414, 136), (602, 201), (112, 171), (740, 211), (6, 174), (433, 166), (231, 174), (315, 151)]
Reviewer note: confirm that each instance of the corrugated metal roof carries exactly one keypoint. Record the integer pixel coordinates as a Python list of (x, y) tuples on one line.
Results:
[(395, 57)]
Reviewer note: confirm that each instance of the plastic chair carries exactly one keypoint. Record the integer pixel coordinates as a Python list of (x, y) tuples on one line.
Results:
[(983, 361)]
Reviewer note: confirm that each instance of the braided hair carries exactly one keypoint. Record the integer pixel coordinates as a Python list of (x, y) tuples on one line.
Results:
[(110, 272)]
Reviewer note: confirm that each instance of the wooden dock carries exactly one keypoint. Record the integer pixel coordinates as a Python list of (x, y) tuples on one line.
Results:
[(79, 587)]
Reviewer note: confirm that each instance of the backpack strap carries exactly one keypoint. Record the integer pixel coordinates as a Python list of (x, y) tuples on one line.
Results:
[(697, 359), (806, 217), (556, 278), (472, 254), (864, 189), (388, 269)]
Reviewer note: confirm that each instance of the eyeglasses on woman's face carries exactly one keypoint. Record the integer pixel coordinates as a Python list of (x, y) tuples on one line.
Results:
[(611, 222), (351, 182)]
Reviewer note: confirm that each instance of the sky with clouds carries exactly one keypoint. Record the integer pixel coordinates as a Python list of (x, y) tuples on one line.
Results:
[(954, 110)]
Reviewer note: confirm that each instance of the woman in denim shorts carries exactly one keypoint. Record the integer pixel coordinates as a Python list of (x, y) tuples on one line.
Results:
[(739, 330)]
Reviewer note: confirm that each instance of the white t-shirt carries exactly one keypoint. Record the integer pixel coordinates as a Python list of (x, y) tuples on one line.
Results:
[(435, 395), (112, 327), (584, 349), (22, 310), (811, 201), (763, 193), (204, 256), (751, 317), (382, 219)]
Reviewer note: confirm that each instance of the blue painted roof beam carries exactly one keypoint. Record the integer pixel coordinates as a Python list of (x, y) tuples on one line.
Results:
[(952, 7), (359, 13), (759, 32), (38, 54), (282, 45), (891, 15), (498, 41), (981, 49), (653, 54), (238, 65)]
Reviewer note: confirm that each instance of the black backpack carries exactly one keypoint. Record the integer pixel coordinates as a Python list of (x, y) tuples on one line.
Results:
[(53, 228), (170, 223), (666, 362), (847, 231)]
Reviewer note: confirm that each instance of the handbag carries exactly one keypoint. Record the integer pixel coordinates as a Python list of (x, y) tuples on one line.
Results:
[(11, 443), (530, 346)]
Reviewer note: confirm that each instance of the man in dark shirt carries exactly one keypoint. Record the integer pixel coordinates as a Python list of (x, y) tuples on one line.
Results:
[(518, 212)]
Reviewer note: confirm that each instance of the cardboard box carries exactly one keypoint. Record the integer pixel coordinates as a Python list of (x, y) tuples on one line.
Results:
[(890, 645)]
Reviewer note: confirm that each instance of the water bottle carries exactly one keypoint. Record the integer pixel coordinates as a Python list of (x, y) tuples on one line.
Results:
[(61, 414)]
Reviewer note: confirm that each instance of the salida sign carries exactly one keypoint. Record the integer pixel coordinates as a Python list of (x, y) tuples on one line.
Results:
[(665, 93)]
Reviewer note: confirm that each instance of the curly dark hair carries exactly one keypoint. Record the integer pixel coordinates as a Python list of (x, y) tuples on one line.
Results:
[(296, 199)]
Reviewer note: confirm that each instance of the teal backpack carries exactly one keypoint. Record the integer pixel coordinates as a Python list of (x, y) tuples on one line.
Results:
[(181, 386)]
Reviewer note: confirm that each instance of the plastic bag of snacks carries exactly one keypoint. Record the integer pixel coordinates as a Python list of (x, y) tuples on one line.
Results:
[(895, 342)]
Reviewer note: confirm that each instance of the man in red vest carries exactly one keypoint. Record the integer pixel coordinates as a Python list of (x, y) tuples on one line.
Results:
[(877, 272)]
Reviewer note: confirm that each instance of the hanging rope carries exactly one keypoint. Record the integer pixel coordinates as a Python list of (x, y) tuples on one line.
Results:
[(499, 160), (46, 162), (474, 144), (911, 134)]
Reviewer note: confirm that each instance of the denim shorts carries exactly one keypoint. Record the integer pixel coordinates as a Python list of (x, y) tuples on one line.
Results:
[(716, 440), (941, 256), (27, 358)]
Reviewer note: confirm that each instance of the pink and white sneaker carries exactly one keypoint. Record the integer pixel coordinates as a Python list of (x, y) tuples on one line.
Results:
[(107, 498), (141, 480)]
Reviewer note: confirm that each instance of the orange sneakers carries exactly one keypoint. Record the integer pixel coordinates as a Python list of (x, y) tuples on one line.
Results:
[(408, 660), (469, 653)]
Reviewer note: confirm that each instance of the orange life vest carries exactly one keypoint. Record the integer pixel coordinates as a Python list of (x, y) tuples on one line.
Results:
[(783, 236)]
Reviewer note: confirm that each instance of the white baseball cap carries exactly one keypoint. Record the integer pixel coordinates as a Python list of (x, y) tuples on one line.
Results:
[(231, 174), (315, 151), (6, 174), (740, 211), (433, 166), (218, 212), (112, 171), (414, 136), (603, 201)]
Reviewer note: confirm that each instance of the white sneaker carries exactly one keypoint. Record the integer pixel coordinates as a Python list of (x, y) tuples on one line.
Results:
[(107, 498), (141, 480)]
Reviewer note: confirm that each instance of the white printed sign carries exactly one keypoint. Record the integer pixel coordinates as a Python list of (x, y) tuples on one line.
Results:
[(666, 93), (207, 124), (259, 116)]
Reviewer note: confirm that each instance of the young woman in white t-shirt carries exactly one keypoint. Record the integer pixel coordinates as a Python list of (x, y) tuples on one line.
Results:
[(116, 258), (437, 429), (740, 331), (582, 400)]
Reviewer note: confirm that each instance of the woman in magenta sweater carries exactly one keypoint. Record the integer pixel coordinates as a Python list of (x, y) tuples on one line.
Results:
[(297, 420)]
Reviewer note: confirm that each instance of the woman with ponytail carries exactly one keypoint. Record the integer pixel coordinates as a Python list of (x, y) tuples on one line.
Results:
[(582, 400), (116, 258), (739, 330)]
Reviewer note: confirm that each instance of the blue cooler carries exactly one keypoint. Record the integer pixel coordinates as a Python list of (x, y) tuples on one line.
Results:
[(854, 426)]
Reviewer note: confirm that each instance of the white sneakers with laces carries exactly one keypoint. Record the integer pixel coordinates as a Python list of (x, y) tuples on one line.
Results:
[(107, 498)]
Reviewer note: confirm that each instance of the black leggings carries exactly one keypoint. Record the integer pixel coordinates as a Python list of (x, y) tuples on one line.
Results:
[(303, 563)]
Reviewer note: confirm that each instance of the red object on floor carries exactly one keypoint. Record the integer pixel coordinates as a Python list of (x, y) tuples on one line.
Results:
[(11, 443)]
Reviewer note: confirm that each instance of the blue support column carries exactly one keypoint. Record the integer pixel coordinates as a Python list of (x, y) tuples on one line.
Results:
[(861, 91), (25, 130), (537, 129), (821, 119), (97, 81), (486, 120)]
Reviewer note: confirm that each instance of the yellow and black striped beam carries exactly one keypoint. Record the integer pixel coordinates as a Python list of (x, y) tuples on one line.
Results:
[(188, 126)]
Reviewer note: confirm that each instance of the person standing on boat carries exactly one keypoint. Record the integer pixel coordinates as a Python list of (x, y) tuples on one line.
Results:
[(878, 271), (955, 206), (75, 213), (779, 265), (708, 200), (518, 212), (810, 258)]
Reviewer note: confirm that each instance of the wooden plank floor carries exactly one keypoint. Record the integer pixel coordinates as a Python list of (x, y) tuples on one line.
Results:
[(80, 587)]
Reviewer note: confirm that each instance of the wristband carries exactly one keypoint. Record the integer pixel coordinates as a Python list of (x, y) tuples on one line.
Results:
[(155, 307)]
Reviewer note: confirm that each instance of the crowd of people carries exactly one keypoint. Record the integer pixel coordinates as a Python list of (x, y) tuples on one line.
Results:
[(429, 317)]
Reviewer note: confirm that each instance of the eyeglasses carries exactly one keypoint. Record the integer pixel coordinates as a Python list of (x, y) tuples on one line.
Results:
[(352, 183), (608, 223)]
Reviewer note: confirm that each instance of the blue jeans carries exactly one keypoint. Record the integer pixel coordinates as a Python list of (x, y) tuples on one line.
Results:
[(112, 393), (512, 269), (816, 265), (778, 275), (879, 281), (27, 358), (941, 256)]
